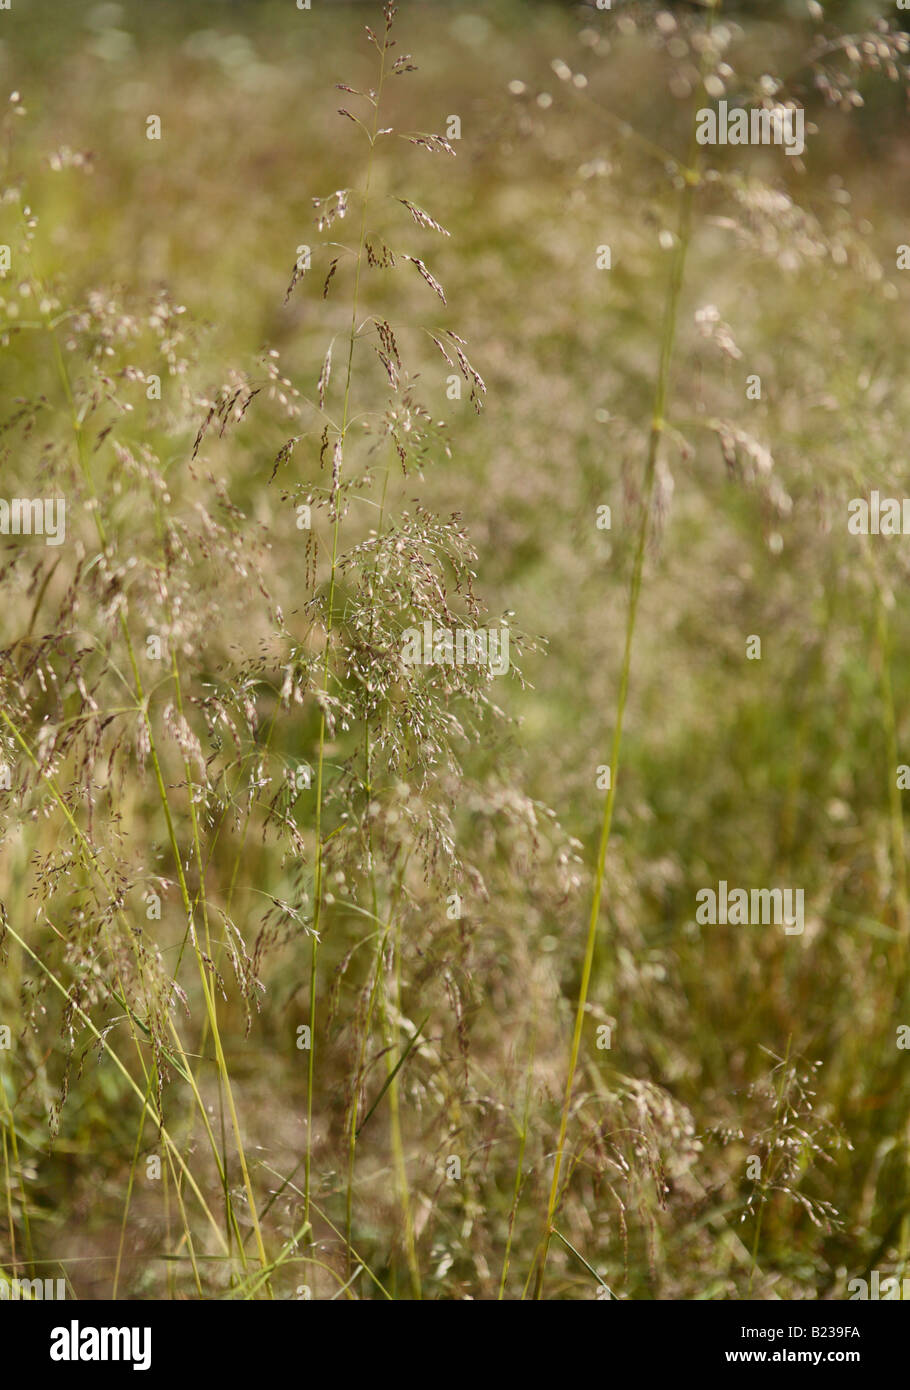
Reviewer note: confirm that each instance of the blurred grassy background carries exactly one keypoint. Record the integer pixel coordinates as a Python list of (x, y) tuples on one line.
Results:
[(761, 773)]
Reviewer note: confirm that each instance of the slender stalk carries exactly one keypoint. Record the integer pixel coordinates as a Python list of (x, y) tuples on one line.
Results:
[(142, 704), (146, 1102), (668, 339), (401, 1172), (766, 1177), (92, 866), (320, 770), (17, 1165), (380, 952), (516, 1194)]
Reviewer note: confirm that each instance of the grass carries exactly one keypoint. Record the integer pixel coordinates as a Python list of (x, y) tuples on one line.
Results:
[(309, 954)]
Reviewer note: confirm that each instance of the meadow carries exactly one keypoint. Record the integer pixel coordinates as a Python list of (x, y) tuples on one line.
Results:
[(333, 966)]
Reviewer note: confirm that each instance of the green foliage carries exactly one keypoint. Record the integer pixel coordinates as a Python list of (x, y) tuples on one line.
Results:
[(401, 859)]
